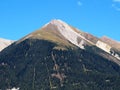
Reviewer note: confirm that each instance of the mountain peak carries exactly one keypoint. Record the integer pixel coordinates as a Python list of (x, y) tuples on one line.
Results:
[(60, 33), (55, 31), (56, 21)]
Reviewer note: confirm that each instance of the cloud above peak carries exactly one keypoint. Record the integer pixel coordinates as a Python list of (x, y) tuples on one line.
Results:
[(79, 3), (116, 5), (116, 0)]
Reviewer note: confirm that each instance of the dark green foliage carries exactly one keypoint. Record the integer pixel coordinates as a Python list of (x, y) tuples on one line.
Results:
[(30, 65)]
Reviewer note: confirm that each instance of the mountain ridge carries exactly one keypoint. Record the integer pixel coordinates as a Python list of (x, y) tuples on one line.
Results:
[(66, 36)]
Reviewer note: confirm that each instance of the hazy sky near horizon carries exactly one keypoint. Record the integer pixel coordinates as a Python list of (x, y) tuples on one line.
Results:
[(21, 17)]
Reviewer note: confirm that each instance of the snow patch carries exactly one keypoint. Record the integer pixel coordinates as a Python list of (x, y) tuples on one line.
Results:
[(14, 88), (113, 53)]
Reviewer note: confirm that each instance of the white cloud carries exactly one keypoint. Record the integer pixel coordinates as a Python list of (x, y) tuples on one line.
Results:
[(79, 3), (116, 0), (116, 5)]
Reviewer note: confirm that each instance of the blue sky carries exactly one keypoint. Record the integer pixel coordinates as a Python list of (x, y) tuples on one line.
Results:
[(21, 17)]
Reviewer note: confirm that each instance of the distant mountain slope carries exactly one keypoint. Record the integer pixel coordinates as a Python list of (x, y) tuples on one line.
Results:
[(4, 43), (59, 57)]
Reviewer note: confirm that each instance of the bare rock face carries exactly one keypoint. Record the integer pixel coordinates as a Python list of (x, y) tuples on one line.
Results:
[(103, 46), (111, 42), (4, 43)]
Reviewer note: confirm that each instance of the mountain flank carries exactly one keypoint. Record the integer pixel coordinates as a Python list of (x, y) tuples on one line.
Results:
[(59, 57)]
